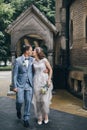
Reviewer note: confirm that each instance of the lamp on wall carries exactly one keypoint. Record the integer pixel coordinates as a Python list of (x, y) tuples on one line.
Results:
[(63, 42)]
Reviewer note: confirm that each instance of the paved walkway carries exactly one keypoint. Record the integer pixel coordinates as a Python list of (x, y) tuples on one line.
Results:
[(66, 102), (57, 120), (66, 110), (5, 80), (62, 100)]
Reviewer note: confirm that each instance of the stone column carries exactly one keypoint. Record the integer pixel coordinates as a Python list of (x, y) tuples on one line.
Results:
[(13, 57), (61, 26), (13, 60), (10, 92), (58, 16), (85, 92), (63, 51)]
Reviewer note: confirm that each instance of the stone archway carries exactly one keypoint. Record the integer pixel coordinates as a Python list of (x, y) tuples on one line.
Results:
[(34, 41), (47, 37), (32, 22)]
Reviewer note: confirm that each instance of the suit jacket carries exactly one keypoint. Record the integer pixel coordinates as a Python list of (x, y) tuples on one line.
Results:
[(22, 73)]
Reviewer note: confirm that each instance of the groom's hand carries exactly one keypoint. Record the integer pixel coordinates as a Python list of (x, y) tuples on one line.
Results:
[(15, 90)]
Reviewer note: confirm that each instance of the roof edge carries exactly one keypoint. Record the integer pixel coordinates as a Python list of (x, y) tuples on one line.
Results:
[(25, 13)]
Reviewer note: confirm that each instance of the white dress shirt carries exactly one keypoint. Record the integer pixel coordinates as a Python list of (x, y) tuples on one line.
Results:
[(27, 62)]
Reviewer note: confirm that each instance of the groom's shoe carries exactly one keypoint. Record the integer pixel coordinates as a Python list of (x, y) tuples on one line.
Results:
[(26, 124), (19, 114)]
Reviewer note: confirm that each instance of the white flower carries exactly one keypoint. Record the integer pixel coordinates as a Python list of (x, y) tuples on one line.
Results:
[(44, 89), (24, 64)]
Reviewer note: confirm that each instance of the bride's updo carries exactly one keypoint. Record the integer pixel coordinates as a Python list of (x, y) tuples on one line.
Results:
[(40, 52)]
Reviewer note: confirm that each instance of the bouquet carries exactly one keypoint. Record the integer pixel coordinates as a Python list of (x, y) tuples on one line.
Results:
[(44, 89)]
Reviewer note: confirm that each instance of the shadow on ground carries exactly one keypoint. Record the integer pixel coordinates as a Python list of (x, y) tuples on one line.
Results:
[(58, 120)]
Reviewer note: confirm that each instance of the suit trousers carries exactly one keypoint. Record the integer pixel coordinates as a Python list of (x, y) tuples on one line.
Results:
[(24, 96)]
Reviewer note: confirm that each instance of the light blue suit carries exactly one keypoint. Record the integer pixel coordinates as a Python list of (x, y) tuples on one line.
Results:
[(23, 80)]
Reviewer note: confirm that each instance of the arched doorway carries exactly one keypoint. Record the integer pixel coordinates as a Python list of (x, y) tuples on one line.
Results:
[(32, 26), (34, 41)]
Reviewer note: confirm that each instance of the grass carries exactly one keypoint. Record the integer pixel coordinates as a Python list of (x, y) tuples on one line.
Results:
[(5, 68)]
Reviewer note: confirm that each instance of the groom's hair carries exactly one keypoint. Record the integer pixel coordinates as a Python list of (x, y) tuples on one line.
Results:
[(26, 48)]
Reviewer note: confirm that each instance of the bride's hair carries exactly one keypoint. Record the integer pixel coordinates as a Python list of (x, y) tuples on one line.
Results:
[(40, 52)]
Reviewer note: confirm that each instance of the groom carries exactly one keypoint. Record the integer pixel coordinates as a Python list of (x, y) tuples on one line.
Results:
[(22, 83)]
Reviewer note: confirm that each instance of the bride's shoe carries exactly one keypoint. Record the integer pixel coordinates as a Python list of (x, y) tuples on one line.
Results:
[(39, 122), (46, 121)]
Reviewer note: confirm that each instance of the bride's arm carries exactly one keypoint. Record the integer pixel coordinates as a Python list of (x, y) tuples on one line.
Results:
[(48, 66)]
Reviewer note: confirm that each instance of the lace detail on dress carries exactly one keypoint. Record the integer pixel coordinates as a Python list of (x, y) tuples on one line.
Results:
[(41, 102)]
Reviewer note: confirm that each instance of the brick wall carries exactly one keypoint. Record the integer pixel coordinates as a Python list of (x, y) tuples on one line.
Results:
[(78, 51)]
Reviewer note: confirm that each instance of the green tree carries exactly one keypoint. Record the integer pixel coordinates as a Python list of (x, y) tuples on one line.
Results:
[(47, 7), (6, 13), (11, 9), (3, 48)]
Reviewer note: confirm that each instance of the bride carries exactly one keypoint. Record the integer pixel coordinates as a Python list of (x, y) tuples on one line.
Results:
[(42, 86)]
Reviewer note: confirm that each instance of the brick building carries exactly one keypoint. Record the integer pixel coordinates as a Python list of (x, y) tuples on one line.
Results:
[(78, 33), (66, 41), (71, 42), (71, 21)]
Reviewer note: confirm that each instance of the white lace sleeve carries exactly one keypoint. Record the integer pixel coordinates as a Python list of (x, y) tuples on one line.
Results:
[(45, 60)]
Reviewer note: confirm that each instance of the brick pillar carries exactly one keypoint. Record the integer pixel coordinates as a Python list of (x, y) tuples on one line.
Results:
[(58, 16), (10, 92), (61, 26), (50, 57)]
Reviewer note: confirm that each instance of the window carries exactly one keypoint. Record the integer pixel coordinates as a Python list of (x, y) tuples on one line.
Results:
[(86, 29), (71, 33)]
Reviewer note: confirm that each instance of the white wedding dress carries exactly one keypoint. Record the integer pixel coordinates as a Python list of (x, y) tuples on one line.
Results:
[(41, 102)]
